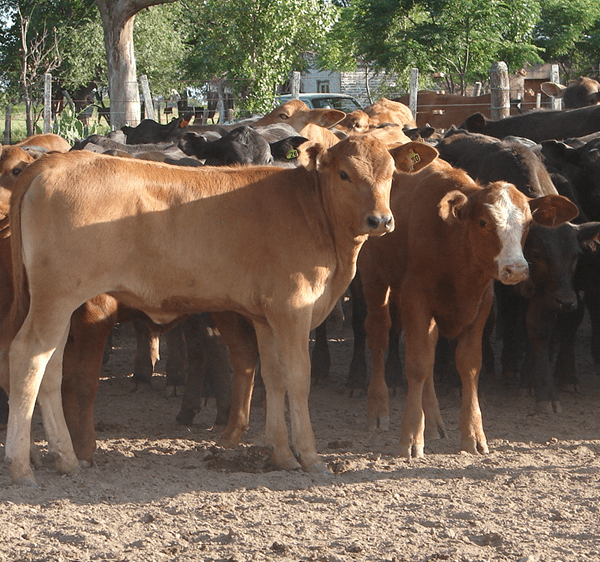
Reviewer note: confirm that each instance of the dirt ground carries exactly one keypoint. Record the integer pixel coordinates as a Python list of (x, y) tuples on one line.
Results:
[(160, 491)]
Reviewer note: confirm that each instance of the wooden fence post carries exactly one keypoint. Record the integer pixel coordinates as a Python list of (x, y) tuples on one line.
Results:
[(7, 126), (500, 90), (295, 85), (148, 105), (555, 103), (414, 91), (47, 102)]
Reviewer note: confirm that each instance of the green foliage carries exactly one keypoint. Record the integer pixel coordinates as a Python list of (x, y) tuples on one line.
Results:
[(69, 127), (569, 33), (457, 38), (255, 44), (158, 42), (159, 33)]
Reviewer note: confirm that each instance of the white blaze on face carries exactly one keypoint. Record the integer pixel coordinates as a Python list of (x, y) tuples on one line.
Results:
[(511, 221)]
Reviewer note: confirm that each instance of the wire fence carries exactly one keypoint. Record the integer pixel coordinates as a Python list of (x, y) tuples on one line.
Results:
[(210, 101)]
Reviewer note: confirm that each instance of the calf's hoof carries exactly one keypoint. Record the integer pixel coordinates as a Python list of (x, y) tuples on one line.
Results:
[(21, 477), (67, 469), (26, 482), (317, 468), (412, 450), (381, 423), (287, 464), (186, 416), (435, 431), (475, 447), (548, 407)]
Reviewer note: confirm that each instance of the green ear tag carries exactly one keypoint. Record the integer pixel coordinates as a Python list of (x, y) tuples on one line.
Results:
[(414, 157), (292, 154)]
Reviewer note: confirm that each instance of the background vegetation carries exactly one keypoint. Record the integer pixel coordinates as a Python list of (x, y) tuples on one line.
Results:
[(255, 44)]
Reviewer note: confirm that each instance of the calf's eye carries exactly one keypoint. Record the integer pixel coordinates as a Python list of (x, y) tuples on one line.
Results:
[(482, 223), (344, 176)]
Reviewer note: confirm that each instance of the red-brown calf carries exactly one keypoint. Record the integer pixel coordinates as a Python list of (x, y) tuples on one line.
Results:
[(452, 239)]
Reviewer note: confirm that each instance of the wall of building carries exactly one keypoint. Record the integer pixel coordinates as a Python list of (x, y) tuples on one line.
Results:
[(352, 83)]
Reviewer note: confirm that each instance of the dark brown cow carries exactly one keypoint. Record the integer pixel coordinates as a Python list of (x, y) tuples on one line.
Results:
[(580, 92), (452, 239), (124, 217), (538, 125)]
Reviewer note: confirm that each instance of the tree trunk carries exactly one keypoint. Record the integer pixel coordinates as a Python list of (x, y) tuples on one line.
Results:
[(117, 20)]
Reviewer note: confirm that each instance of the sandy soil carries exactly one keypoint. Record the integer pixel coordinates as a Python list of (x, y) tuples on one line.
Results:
[(159, 491)]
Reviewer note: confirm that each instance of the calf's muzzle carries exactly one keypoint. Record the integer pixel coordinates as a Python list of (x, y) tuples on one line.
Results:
[(380, 224), (514, 272)]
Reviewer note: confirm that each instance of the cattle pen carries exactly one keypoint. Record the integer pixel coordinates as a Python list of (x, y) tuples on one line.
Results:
[(160, 491)]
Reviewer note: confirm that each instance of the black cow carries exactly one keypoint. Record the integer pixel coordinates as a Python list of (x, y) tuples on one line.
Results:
[(539, 125), (580, 165), (578, 168), (580, 92), (149, 131), (547, 308), (243, 145), (490, 159)]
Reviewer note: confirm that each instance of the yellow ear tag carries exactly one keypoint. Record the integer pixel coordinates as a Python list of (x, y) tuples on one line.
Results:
[(292, 154), (414, 157)]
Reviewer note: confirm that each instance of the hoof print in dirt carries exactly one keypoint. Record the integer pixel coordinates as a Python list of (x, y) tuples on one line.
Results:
[(247, 459)]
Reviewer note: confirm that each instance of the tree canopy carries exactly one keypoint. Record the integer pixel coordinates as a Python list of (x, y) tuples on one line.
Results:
[(255, 44), (569, 34), (456, 39)]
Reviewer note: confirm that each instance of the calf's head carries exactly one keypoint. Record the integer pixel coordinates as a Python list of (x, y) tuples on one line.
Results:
[(13, 160), (355, 176), (553, 254), (497, 220)]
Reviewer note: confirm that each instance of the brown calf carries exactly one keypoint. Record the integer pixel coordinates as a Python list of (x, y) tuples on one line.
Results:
[(452, 239), (312, 124), (387, 111), (49, 141)]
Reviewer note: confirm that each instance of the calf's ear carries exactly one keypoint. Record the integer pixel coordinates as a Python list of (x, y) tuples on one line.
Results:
[(553, 89), (451, 205), (474, 123), (552, 210), (328, 117), (313, 156), (413, 156), (588, 236)]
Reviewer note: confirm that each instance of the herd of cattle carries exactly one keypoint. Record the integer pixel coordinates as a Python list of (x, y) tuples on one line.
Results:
[(247, 235)]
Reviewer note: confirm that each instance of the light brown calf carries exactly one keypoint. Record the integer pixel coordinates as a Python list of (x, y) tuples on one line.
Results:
[(452, 239), (388, 111), (278, 246), (312, 124), (49, 141)]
